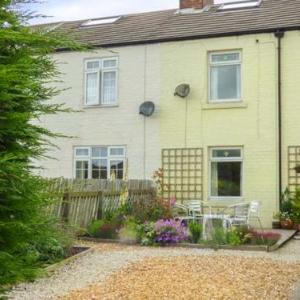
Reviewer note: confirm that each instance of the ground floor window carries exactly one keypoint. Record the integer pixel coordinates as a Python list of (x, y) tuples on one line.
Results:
[(99, 162), (226, 166)]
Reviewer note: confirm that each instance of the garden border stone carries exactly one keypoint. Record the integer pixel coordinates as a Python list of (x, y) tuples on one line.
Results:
[(286, 235), (52, 268)]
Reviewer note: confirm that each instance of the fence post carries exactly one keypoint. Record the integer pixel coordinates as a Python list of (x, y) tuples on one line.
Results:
[(65, 207), (99, 210)]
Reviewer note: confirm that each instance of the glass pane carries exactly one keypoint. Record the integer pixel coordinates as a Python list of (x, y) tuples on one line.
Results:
[(225, 57), (116, 168), (226, 82), (226, 153), (109, 87), (82, 152), (95, 174), (103, 174), (81, 174), (99, 152), (92, 88), (99, 168), (226, 179), (82, 164), (117, 151), (92, 65), (99, 163), (109, 63)]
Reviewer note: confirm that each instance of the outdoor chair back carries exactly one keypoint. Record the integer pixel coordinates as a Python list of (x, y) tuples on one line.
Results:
[(254, 213), (241, 211)]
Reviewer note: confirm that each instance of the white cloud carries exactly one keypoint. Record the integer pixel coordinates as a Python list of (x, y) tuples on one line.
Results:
[(65, 10)]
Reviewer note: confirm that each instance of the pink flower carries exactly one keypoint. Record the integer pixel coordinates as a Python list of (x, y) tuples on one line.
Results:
[(173, 201)]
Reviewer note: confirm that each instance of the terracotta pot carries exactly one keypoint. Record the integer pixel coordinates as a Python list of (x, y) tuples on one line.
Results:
[(276, 225), (296, 226), (287, 224)]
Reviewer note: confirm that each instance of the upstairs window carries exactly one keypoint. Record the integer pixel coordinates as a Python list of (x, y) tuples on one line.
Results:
[(99, 162), (226, 167), (101, 81), (225, 77)]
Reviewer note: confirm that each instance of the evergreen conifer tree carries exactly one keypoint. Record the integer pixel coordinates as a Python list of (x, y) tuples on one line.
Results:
[(27, 235)]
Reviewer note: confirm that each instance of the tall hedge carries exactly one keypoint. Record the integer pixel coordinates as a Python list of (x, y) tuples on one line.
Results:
[(27, 235)]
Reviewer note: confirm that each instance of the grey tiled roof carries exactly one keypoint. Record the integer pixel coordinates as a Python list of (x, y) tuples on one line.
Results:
[(168, 25)]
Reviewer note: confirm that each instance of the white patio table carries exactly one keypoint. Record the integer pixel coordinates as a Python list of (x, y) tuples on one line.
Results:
[(210, 217)]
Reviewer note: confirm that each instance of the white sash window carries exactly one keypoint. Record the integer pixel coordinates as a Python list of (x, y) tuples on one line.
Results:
[(101, 81), (226, 169), (225, 77), (99, 162)]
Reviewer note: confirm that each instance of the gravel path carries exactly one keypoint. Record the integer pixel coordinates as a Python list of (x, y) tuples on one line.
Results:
[(104, 260)]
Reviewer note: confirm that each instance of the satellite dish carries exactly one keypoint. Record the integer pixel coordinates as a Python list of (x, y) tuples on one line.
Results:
[(182, 90), (147, 109)]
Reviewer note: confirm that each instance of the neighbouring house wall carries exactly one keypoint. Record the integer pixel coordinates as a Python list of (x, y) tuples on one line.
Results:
[(290, 97), (251, 124), (139, 81)]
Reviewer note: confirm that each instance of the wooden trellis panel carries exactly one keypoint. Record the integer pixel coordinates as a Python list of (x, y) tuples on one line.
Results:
[(183, 173), (293, 162)]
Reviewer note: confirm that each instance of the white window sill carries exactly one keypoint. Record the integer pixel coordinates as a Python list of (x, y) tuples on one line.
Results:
[(226, 199), (100, 106), (224, 105)]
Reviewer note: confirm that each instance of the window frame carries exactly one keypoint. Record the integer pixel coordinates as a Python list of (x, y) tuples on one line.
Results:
[(229, 159), (90, 158), (100, 72), (213, 64)]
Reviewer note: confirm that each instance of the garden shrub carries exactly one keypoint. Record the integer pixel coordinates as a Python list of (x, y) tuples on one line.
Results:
[(103, 229), (146, 234), (150, 210), (238, 235), (94, 228), (195, 230)]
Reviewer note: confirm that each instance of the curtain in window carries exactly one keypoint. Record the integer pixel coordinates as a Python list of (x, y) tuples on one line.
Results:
[(92, 88), (82, 169), (109, 87), (225, 82), (99, 169), (214, 179)]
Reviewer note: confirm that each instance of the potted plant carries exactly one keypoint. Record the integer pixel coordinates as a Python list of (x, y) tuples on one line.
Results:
[(286, 220), (295, 198), (286, 214)]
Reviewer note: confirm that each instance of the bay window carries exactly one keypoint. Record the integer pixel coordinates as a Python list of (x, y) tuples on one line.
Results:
[(101, 81), (225, 77), (226, 165), (99, 162)]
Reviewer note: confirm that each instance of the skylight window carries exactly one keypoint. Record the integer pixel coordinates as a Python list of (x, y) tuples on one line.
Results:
[(100, 21), (240, 5)]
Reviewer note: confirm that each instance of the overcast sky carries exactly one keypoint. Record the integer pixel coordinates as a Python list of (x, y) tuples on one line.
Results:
[(66, 10)]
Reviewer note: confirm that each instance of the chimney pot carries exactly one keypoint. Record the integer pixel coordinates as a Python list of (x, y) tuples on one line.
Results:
[(196, 4)]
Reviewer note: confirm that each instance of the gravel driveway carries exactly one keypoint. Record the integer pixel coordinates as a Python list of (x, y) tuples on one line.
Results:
[(97, 269)]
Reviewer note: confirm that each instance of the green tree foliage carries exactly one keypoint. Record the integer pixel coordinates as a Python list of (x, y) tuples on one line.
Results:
[(27, 236)]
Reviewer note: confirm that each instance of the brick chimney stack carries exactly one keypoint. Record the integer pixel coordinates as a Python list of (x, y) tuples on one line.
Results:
[(196, 4)]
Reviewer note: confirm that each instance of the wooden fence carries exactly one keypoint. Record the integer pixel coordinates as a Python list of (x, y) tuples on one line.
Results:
[(79, 202)]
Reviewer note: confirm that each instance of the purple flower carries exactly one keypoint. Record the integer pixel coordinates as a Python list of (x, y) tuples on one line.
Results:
[(170, 231)]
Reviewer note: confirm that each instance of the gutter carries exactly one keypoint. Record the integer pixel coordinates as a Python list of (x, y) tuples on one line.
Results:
[(279, 34)]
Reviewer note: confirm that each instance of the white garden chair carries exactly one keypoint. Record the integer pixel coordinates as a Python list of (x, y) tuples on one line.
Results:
[(194, 209), (182, 212), (243, 213)]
